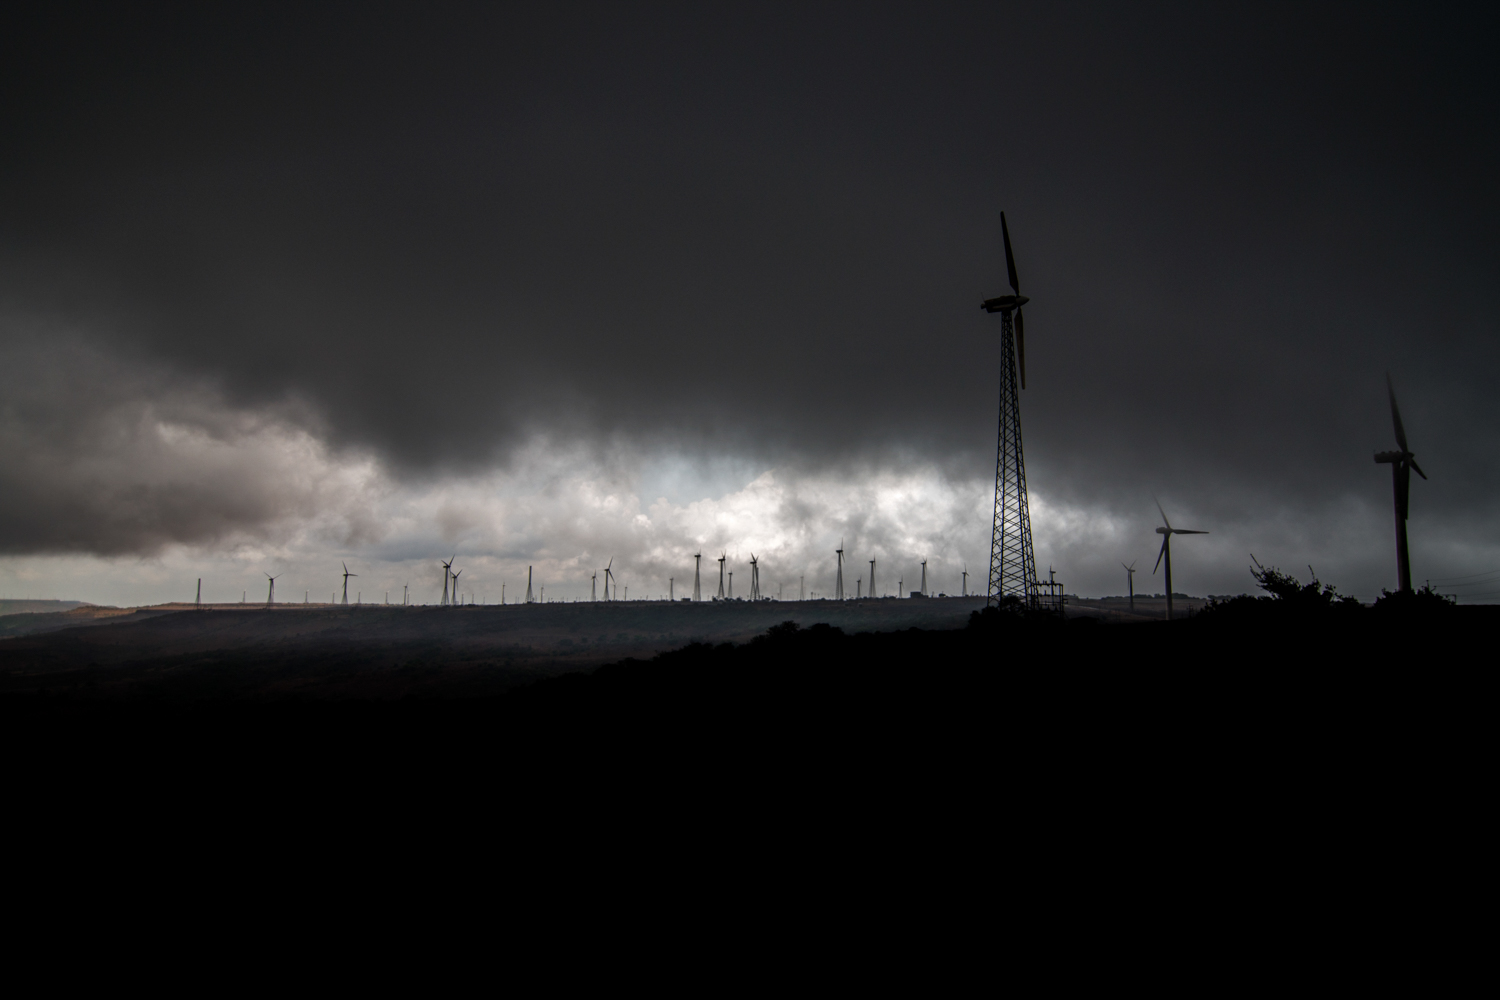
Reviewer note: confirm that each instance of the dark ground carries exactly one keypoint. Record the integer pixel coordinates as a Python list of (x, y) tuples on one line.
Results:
[(1064, 775)]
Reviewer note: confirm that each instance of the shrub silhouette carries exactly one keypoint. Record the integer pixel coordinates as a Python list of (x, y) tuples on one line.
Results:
[(1289, 599)]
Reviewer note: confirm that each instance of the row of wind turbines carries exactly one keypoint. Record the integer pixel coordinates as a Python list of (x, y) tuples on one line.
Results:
[(1402, 462)]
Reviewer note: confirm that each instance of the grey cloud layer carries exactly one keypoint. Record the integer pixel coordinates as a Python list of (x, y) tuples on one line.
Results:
[(453, 233)]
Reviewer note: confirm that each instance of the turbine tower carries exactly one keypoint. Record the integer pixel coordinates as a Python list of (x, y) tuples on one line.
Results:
[(608, 576), (348, 574), (966, 581), (456, 601), (754, 578), (838, 584), (697, 587), (924, 577), (593, 587), (1401, 463), (1012, 563), (446, 567), (1130, 581), (528, 584), (872, 578), (271, 591), (722, 557), (198, 601), (1166, 551)]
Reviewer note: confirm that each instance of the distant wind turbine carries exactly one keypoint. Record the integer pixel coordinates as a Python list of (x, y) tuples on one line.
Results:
[(347, 575), (1130, 581), (697, 586), (271, 591), (1402, 463), (754, 578), (447, 568), (838, 583), (1166, 551), (722, 557)]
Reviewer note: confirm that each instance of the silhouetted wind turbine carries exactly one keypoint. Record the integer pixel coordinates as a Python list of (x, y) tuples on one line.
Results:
[(1401, 463), (872, 579), (754, 578), (528, 584), (924, 577), (1166, 551), (348, 574), (838, 586), (608, 576), (1130, 581), (455, 589), (447, 566), (271, 592), (722, 557), (1012, 559), (697, 587), (594, 587)]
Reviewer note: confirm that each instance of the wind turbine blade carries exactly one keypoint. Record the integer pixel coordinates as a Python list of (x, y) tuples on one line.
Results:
[(1396, 416), (1164, 540), (1010, 259), (1414, 465), (1184, 531), (1021, 344), (345, 565), (1163, 517)]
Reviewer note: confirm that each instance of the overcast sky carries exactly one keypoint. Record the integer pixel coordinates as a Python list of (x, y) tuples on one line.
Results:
[(282, 287)]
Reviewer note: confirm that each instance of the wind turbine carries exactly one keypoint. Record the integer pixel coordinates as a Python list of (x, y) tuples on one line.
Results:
[(528, 584), (722, 557), (872, 578), (754, 578), (924, 577), (838, 585), (348, 574), (697, 588), (1130, 581), (608, 576), (594, 587), (1166, 551), (446, 567), (455, 588), (966, 579), (1401, 463), (271, 592), (1012, 561)]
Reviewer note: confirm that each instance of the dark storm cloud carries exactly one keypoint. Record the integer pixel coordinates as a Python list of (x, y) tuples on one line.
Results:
[(768, 230)]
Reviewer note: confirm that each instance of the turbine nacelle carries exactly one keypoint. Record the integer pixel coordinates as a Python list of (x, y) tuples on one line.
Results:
[(1004, 303)]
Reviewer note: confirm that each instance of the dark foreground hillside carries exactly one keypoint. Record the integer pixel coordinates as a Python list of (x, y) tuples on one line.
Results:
[(1005, 688)]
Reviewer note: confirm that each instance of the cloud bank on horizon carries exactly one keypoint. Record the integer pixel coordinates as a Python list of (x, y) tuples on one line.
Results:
[(555, 287)]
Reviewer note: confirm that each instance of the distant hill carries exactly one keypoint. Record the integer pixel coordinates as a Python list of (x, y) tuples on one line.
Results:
[(9, 607)]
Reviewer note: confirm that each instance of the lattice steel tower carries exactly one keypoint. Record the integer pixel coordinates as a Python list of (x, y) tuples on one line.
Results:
[(1012, 564)]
